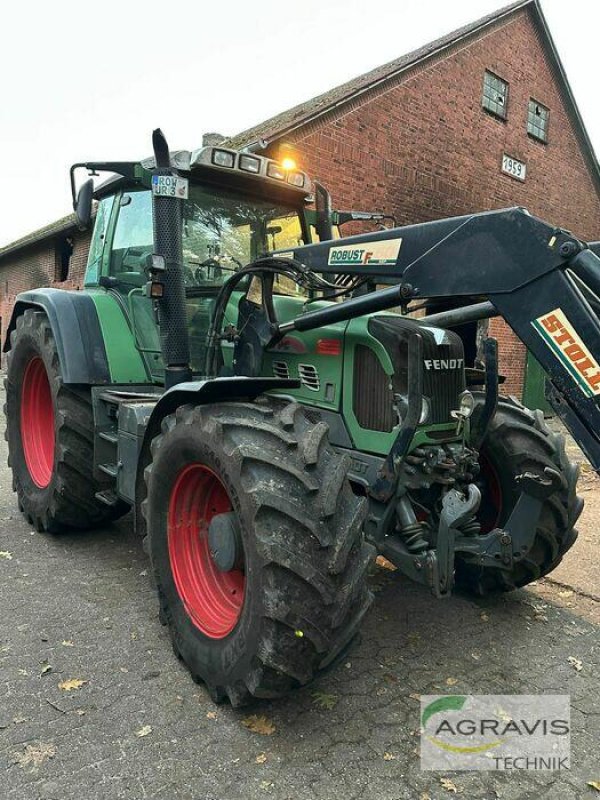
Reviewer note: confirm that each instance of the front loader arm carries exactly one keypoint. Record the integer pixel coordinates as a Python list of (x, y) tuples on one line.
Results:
[(544, 282)]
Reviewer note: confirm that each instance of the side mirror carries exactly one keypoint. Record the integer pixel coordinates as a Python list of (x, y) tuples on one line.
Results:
[(323, 207), (83, 204)]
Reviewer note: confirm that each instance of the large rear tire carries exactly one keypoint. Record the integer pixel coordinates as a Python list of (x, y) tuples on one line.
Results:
[(519, 441), (50, 435), (297, 593)]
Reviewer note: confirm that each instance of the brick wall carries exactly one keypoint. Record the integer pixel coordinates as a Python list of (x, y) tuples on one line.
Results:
[(424, 148), (36, 266)]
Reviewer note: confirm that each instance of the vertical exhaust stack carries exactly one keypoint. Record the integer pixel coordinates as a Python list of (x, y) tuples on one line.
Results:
[(172, 321)]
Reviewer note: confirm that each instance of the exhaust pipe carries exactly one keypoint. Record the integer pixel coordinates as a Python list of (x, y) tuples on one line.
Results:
[(167, 216)]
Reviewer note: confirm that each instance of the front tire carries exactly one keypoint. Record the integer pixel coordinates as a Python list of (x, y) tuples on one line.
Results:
[(297, 593), (519, 441), (50, 435)]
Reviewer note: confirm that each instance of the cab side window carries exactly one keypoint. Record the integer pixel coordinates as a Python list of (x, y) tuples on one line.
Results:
[(94, 262), (133, 239)]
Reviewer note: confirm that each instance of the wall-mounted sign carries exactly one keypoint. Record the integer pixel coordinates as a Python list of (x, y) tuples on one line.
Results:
[(511, 166)]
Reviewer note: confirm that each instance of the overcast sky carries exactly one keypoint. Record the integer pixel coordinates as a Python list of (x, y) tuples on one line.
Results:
[(91, 80)]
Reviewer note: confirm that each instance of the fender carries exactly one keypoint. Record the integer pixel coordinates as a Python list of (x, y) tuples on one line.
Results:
[(199, 393), (76, 329), (212, 390)]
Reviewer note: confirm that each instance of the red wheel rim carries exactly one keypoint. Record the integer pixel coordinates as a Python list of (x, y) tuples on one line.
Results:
[(37, 423), (212, 599)]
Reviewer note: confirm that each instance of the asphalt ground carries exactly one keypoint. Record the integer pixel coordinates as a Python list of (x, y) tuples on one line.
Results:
[(78, 610)]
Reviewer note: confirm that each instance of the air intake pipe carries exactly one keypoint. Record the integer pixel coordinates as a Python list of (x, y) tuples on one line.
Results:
[(167, 217)]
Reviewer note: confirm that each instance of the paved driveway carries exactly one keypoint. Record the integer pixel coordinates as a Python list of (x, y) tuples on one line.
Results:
[(79, 609)]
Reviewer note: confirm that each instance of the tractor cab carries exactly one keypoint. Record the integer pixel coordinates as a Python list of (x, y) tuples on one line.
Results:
[(237, 207)]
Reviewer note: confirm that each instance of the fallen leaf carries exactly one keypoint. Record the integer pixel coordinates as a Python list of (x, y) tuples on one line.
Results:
[(484, 617), (46, 667), (298, 634), (389, 757), (80, 711), (385, 564), (5, 554), (595, 785), (451, 681), (259, 724), (324, 700), (425, 796), (414, 696), (34, 755), (67, 643), (261, 758), (144, 731), (266, 785), (72, 683), (211, 715), (575, 663), (566, 593), (448, 785)]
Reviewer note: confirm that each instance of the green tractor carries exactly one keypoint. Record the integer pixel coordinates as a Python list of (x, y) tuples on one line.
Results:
[(274, 417)]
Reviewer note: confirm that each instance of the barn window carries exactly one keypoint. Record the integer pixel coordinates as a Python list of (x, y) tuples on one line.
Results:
[(63, 251), (495, 94), (537, 120)]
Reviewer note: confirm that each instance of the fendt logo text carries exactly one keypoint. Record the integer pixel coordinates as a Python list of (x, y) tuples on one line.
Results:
[(556, 330), (444, 363)]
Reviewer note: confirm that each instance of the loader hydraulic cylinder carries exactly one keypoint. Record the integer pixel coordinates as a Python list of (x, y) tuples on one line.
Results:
[(339, 312)]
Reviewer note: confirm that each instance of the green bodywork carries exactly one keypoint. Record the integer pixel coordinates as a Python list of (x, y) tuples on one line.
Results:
[(133, 359)]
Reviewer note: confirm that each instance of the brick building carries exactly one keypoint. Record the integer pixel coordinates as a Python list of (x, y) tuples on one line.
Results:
[(482, 118)]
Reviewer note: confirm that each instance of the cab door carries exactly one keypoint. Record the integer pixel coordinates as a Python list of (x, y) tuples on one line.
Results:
[(131, 244)]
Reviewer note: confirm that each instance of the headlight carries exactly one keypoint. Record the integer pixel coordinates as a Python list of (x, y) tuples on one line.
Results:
[(296, 179), (249, 164), (425, 409), (467, 404), (223, 158), (275, 171)]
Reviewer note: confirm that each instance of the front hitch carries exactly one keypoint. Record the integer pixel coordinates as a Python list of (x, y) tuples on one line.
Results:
[(499, 548)]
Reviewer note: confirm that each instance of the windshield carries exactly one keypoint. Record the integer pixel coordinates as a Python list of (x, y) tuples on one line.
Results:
[(223, 232)]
